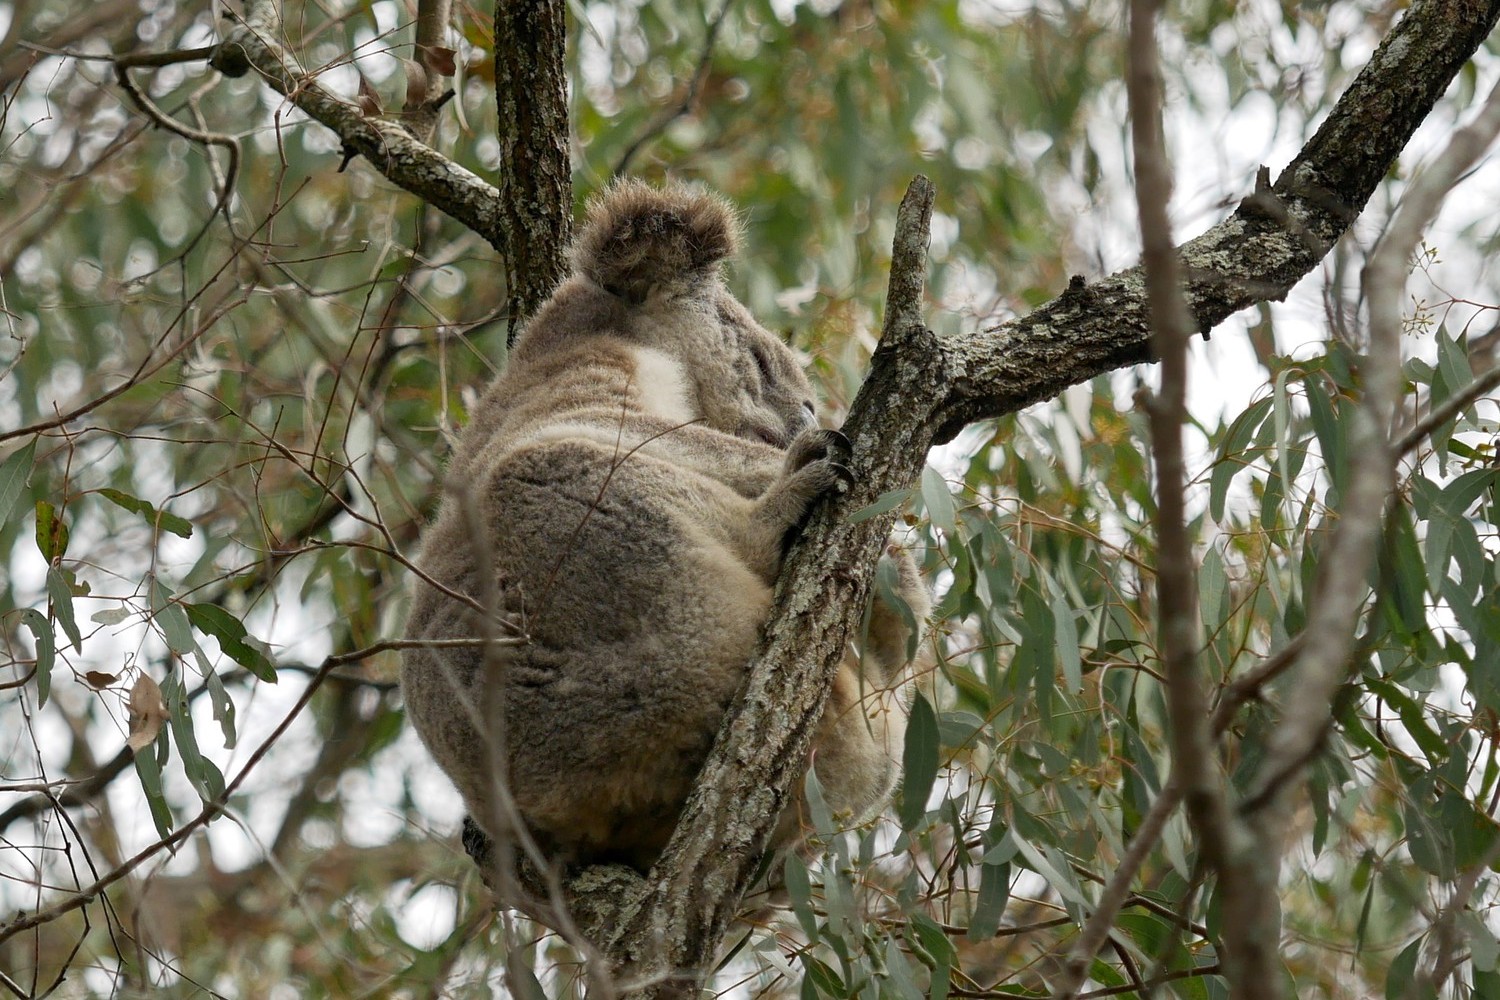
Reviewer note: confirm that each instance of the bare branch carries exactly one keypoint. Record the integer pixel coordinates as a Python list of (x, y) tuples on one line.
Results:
[(1176, 580), (1194, 770), (1340, 590), (254, 43), (689, 96)]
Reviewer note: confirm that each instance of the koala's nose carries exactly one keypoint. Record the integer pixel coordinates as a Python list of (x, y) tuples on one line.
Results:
[(809, 414)]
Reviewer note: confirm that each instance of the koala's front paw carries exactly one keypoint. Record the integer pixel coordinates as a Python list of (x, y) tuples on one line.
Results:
[(816, 444), (478, 845), (815, 464)]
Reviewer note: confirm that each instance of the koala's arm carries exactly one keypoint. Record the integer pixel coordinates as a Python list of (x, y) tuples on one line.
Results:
[(813, 465)]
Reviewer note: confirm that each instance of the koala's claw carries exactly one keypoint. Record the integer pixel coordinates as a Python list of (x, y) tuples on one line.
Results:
[(845, 474), (817, 445)]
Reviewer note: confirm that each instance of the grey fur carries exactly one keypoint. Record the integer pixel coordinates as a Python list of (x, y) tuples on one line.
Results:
[(635, 471)]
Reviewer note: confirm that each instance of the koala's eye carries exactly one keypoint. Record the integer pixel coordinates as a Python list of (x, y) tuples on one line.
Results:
[(762, 362)]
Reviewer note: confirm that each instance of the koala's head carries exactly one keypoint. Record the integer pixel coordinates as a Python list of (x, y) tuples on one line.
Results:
[(771, 399), (655, 255)]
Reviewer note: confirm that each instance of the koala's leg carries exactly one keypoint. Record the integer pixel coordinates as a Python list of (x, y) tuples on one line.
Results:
[(898, 611), (857, 750), (856, 754)]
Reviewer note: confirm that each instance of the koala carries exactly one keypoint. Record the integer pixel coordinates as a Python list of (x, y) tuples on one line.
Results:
[(635, 473)]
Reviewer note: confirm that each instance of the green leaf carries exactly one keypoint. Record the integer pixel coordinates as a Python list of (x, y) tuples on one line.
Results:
[(817, 803), (1066, 631), (1428, 843), (1484, 951), (938, 502), (233, 639), (1218, 486), (148, 769), (989, 903), (172, 620), (887, 501), (1213, 589), (223, 706), (51, 532), (110, 616), (1244, 427), (902, 981), (158, 519), (46, 650), (919, 762), (1459, 495), (206, 778), (61, 597), (824, 979), (1399, 980), (1281, 415), (1005, 848), (14, 473), (1052, 866), (1327, 428), (799, 887), (520, 977), (923, 932), (1414, 718), (1270, 500)]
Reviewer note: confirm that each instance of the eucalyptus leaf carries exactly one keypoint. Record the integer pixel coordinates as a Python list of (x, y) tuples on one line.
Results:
[(15, 471)]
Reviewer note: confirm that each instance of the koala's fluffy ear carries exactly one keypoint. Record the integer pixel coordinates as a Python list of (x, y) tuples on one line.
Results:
[(639, 238)]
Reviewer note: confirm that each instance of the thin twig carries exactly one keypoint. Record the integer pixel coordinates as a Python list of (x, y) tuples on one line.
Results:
[(86, 895), (689, 97), (1448, 409), (123, 66), (130, 59)]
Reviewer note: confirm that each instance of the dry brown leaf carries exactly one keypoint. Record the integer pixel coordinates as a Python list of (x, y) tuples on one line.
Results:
[(440, 60), (369, 100), (148, 713), (416, 83), (98, 679)]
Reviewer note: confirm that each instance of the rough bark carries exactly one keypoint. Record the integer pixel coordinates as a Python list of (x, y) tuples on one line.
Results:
[(536, 182)]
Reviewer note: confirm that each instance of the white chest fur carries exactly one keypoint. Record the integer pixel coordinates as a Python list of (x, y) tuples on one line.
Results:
[(661, 386)]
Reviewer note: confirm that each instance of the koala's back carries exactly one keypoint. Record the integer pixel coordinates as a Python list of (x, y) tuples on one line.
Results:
[(637, 625)]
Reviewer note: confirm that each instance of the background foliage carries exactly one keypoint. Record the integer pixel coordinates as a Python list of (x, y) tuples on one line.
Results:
[(223, 436)]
